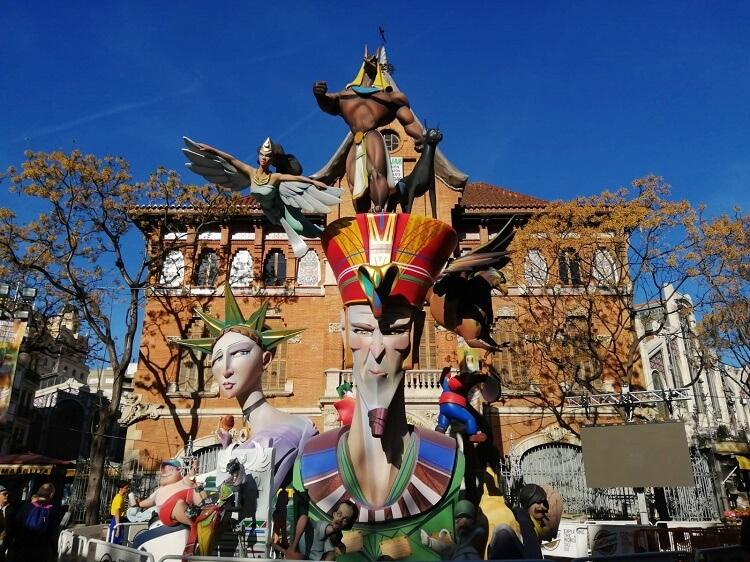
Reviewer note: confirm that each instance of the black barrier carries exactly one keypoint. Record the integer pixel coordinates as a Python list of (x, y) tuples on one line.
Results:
[(719, 554), (668, 556)]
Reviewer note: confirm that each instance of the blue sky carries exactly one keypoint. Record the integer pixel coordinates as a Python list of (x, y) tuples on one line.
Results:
[(553, 99)]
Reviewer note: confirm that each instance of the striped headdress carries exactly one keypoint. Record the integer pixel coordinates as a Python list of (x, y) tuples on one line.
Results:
[(379, 257)]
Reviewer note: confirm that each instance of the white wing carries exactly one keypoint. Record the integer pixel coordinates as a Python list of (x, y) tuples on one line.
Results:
[(214, 168), (307, 197)]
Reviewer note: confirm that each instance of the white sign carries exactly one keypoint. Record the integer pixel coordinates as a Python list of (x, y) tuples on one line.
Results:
[(397, 167)]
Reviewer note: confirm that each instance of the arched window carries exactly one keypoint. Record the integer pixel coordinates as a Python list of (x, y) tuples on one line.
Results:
[(510, 360), (274, 377), (392, 140), (535, 269), (207, 270), (308, 270), (274, 268), (241, 272), (173, 269), (570, 267), (604, 270), (581, 358)]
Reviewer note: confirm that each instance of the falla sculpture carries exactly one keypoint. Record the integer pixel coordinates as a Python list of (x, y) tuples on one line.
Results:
[(365, 104), (283, 192), (240, 349), (399, 483), (401, 478)]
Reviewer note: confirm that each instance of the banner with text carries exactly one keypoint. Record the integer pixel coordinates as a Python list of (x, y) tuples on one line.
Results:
[(11, 334)]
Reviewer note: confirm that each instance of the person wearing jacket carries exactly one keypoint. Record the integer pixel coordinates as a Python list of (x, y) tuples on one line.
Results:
[(34, 527)]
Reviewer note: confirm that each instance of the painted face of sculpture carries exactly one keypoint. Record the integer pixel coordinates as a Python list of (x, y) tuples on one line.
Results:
[(379, 346), (264, 160), (539, 510), (169, 474), (237, 363)]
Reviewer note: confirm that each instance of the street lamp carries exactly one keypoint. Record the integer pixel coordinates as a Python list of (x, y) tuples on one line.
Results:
[(18, 305)]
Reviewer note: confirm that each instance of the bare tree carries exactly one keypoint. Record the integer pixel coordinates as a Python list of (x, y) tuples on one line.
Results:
[(81, 248)]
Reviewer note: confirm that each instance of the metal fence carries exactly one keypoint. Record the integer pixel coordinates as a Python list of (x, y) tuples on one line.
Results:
[(560, 465), (77, 506)]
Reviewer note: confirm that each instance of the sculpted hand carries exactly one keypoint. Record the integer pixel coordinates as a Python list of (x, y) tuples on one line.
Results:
[(419, 144), (206, 147), (320, 88)]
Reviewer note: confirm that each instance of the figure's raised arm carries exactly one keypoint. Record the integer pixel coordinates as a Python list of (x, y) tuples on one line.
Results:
[(217, 166), (243, 167), (406, 117), (289, 177), (327, 102)]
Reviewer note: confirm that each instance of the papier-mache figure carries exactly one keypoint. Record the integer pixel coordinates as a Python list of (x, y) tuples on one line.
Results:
[(345, 404), (366, 103), (172, 499), (536, 517), (240, 350), (402, 478), (282, 194), (454, 399)]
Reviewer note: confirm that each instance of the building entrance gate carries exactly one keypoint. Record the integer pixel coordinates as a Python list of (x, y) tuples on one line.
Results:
[(560, 465)]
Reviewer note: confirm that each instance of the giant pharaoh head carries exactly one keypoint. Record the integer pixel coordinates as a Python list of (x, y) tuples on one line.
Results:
[(384, 265)]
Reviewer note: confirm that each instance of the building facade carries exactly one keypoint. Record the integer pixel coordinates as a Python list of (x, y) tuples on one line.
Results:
[(717, 411)]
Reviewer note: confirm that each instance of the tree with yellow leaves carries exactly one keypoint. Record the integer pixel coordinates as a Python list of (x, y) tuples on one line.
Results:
[(581, 266), (82, 247), (722, 260)]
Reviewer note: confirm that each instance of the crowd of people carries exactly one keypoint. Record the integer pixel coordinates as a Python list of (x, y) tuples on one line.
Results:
[(29, 529)]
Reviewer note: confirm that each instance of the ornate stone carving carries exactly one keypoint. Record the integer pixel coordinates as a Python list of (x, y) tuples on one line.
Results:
[(423, 418), (334, 328), (506, 312), (555, 433), (243, 236), (241, 273), (308, 271), (330, 418), (133, 409)]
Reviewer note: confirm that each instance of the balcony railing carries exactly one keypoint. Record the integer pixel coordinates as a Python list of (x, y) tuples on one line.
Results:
[(419, 384)]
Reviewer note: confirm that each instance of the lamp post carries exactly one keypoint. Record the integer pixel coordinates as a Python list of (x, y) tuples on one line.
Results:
[(19, 305)]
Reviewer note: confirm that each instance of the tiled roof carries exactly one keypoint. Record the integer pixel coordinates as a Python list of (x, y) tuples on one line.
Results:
[(241, 203), (480, 195)]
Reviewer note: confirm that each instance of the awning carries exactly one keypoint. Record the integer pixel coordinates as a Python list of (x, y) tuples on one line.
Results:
[(26, 469), (743, 462), (731, 448), (29, 463)]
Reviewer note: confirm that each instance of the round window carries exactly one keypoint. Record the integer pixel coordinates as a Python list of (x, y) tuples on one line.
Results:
[(392, 140)]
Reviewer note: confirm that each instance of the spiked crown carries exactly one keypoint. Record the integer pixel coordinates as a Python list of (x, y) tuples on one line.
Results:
[(268, 339)]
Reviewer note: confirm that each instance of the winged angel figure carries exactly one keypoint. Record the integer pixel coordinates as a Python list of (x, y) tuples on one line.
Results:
[(282, 194)]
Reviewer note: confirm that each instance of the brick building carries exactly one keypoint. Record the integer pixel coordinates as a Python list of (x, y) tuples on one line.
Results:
[(176, 397)]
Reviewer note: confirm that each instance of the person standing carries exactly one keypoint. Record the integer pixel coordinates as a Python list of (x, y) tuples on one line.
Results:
[(33, 528), (116, 533), (3, 519)]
